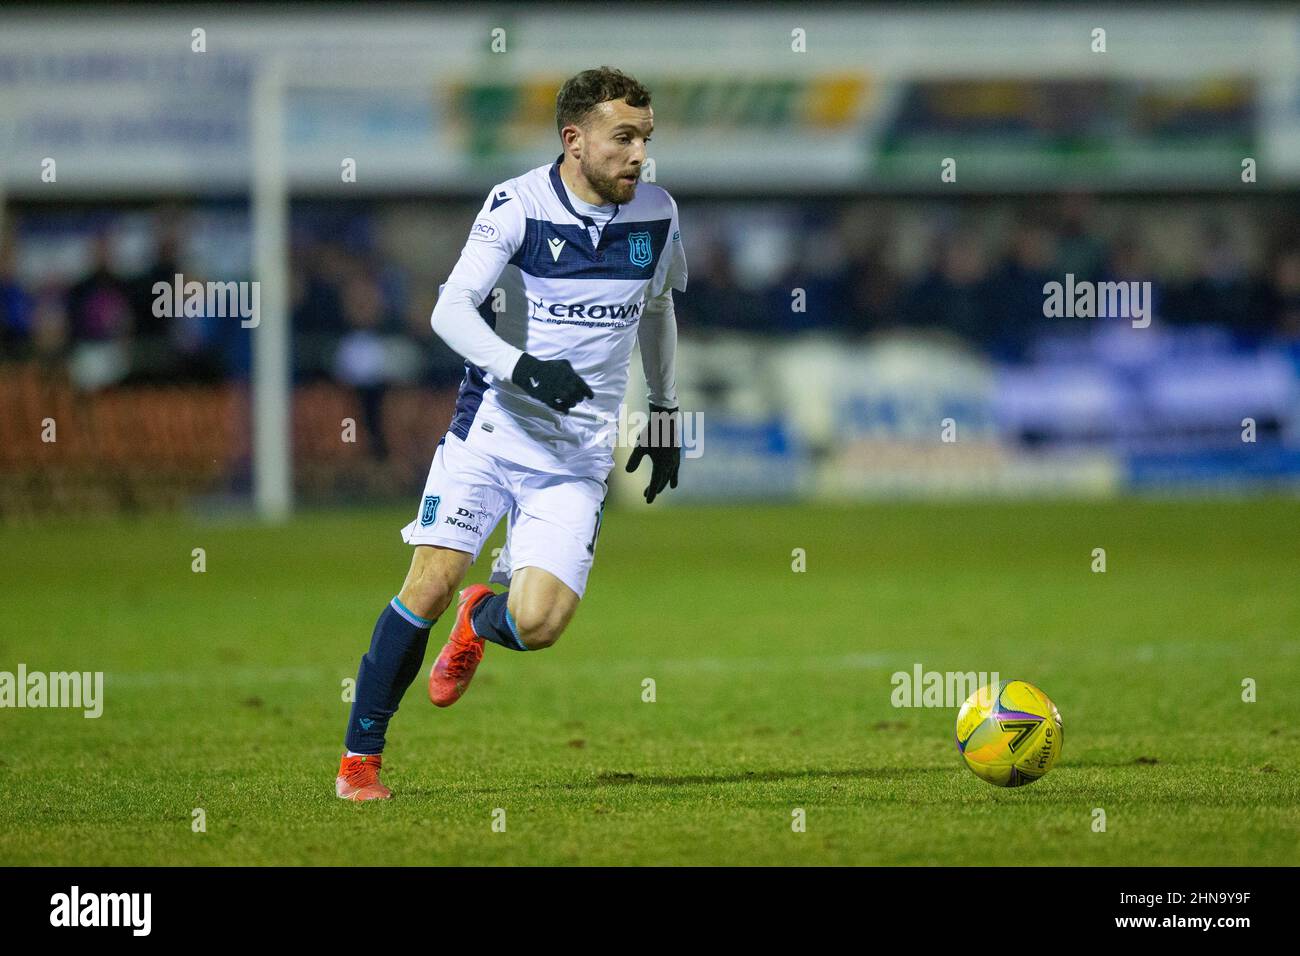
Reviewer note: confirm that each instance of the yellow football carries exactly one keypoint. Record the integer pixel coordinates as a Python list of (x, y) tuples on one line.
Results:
[(1009, 735)]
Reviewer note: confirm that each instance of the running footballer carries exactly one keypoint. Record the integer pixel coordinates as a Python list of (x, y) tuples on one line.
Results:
[(585, 257)]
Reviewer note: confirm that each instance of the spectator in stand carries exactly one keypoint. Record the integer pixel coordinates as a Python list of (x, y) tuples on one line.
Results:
[(956, 295), (1128, 262), (1221, 291), (173, 348), (361, 360), (874, 288), (17, 307), (164, 268), (1282, 295), (319, 275), (50, 337), (716, 301), (99, 304), (1080, 248), (821, 271), (100, 322), (1016, 288)]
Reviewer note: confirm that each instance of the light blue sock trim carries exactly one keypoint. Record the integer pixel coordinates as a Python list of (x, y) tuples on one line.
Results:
[(410, 615), (514, 632)]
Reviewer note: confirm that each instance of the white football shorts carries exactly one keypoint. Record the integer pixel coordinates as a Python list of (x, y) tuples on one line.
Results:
[(552, 520)]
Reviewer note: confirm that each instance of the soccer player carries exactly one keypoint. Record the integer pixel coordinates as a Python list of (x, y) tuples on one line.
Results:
[(564, 268)]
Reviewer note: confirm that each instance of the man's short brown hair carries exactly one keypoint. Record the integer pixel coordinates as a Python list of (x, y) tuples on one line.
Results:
[(581, 94)]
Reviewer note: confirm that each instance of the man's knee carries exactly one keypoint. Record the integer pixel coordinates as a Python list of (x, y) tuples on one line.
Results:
[(432, 581), (428, 598), (539, 624)]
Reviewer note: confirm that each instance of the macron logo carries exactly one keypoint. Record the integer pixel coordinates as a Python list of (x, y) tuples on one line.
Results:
[(556, 245), (500, 199), (103, 909)]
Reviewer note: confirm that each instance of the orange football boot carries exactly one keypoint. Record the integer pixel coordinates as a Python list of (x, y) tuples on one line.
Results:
[(455, 666), (358, 779)]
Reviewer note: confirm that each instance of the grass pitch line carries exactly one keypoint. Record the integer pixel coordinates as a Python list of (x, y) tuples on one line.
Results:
[(312, 675)]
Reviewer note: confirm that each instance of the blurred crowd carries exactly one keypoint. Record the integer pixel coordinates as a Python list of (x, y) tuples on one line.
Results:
[(979, 275), (104, 326), (975, 271)]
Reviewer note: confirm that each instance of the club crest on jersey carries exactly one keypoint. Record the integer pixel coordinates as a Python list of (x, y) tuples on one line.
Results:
[(638, 248), (429, 511)]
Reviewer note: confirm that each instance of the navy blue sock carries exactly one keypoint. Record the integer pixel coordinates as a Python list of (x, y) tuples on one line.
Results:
[(395, 655), (493, 622)]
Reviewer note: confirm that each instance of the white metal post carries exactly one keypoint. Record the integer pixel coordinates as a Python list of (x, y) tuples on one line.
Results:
[(272, 394)]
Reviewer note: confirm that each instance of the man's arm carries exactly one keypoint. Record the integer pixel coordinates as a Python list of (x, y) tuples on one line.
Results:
[(457, 321), (660, 441), (657, 336), (658, 332), (495, 236), (493, 239)]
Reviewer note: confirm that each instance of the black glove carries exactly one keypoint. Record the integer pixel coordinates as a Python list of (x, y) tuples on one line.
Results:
[(555, 384), (661, 439)]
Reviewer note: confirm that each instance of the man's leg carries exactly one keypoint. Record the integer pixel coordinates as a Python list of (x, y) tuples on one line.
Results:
[(396, 652), (399, 641), (550, 551), (531, 615)]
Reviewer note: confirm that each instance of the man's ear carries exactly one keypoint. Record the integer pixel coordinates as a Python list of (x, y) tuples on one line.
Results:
[(572, 135)]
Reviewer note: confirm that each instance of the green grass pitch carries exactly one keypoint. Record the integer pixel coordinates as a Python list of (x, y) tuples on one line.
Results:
[(224, 692)]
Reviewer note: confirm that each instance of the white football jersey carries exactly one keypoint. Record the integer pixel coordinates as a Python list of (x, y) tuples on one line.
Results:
[(568, 289)]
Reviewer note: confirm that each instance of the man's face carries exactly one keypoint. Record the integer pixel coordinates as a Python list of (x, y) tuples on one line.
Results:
[(613, 148)]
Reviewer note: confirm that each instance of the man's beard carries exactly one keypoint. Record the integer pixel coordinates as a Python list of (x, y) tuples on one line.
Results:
[(608, 188)]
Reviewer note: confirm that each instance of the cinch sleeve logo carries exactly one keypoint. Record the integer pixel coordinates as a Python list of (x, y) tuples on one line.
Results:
[(484, 230)]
